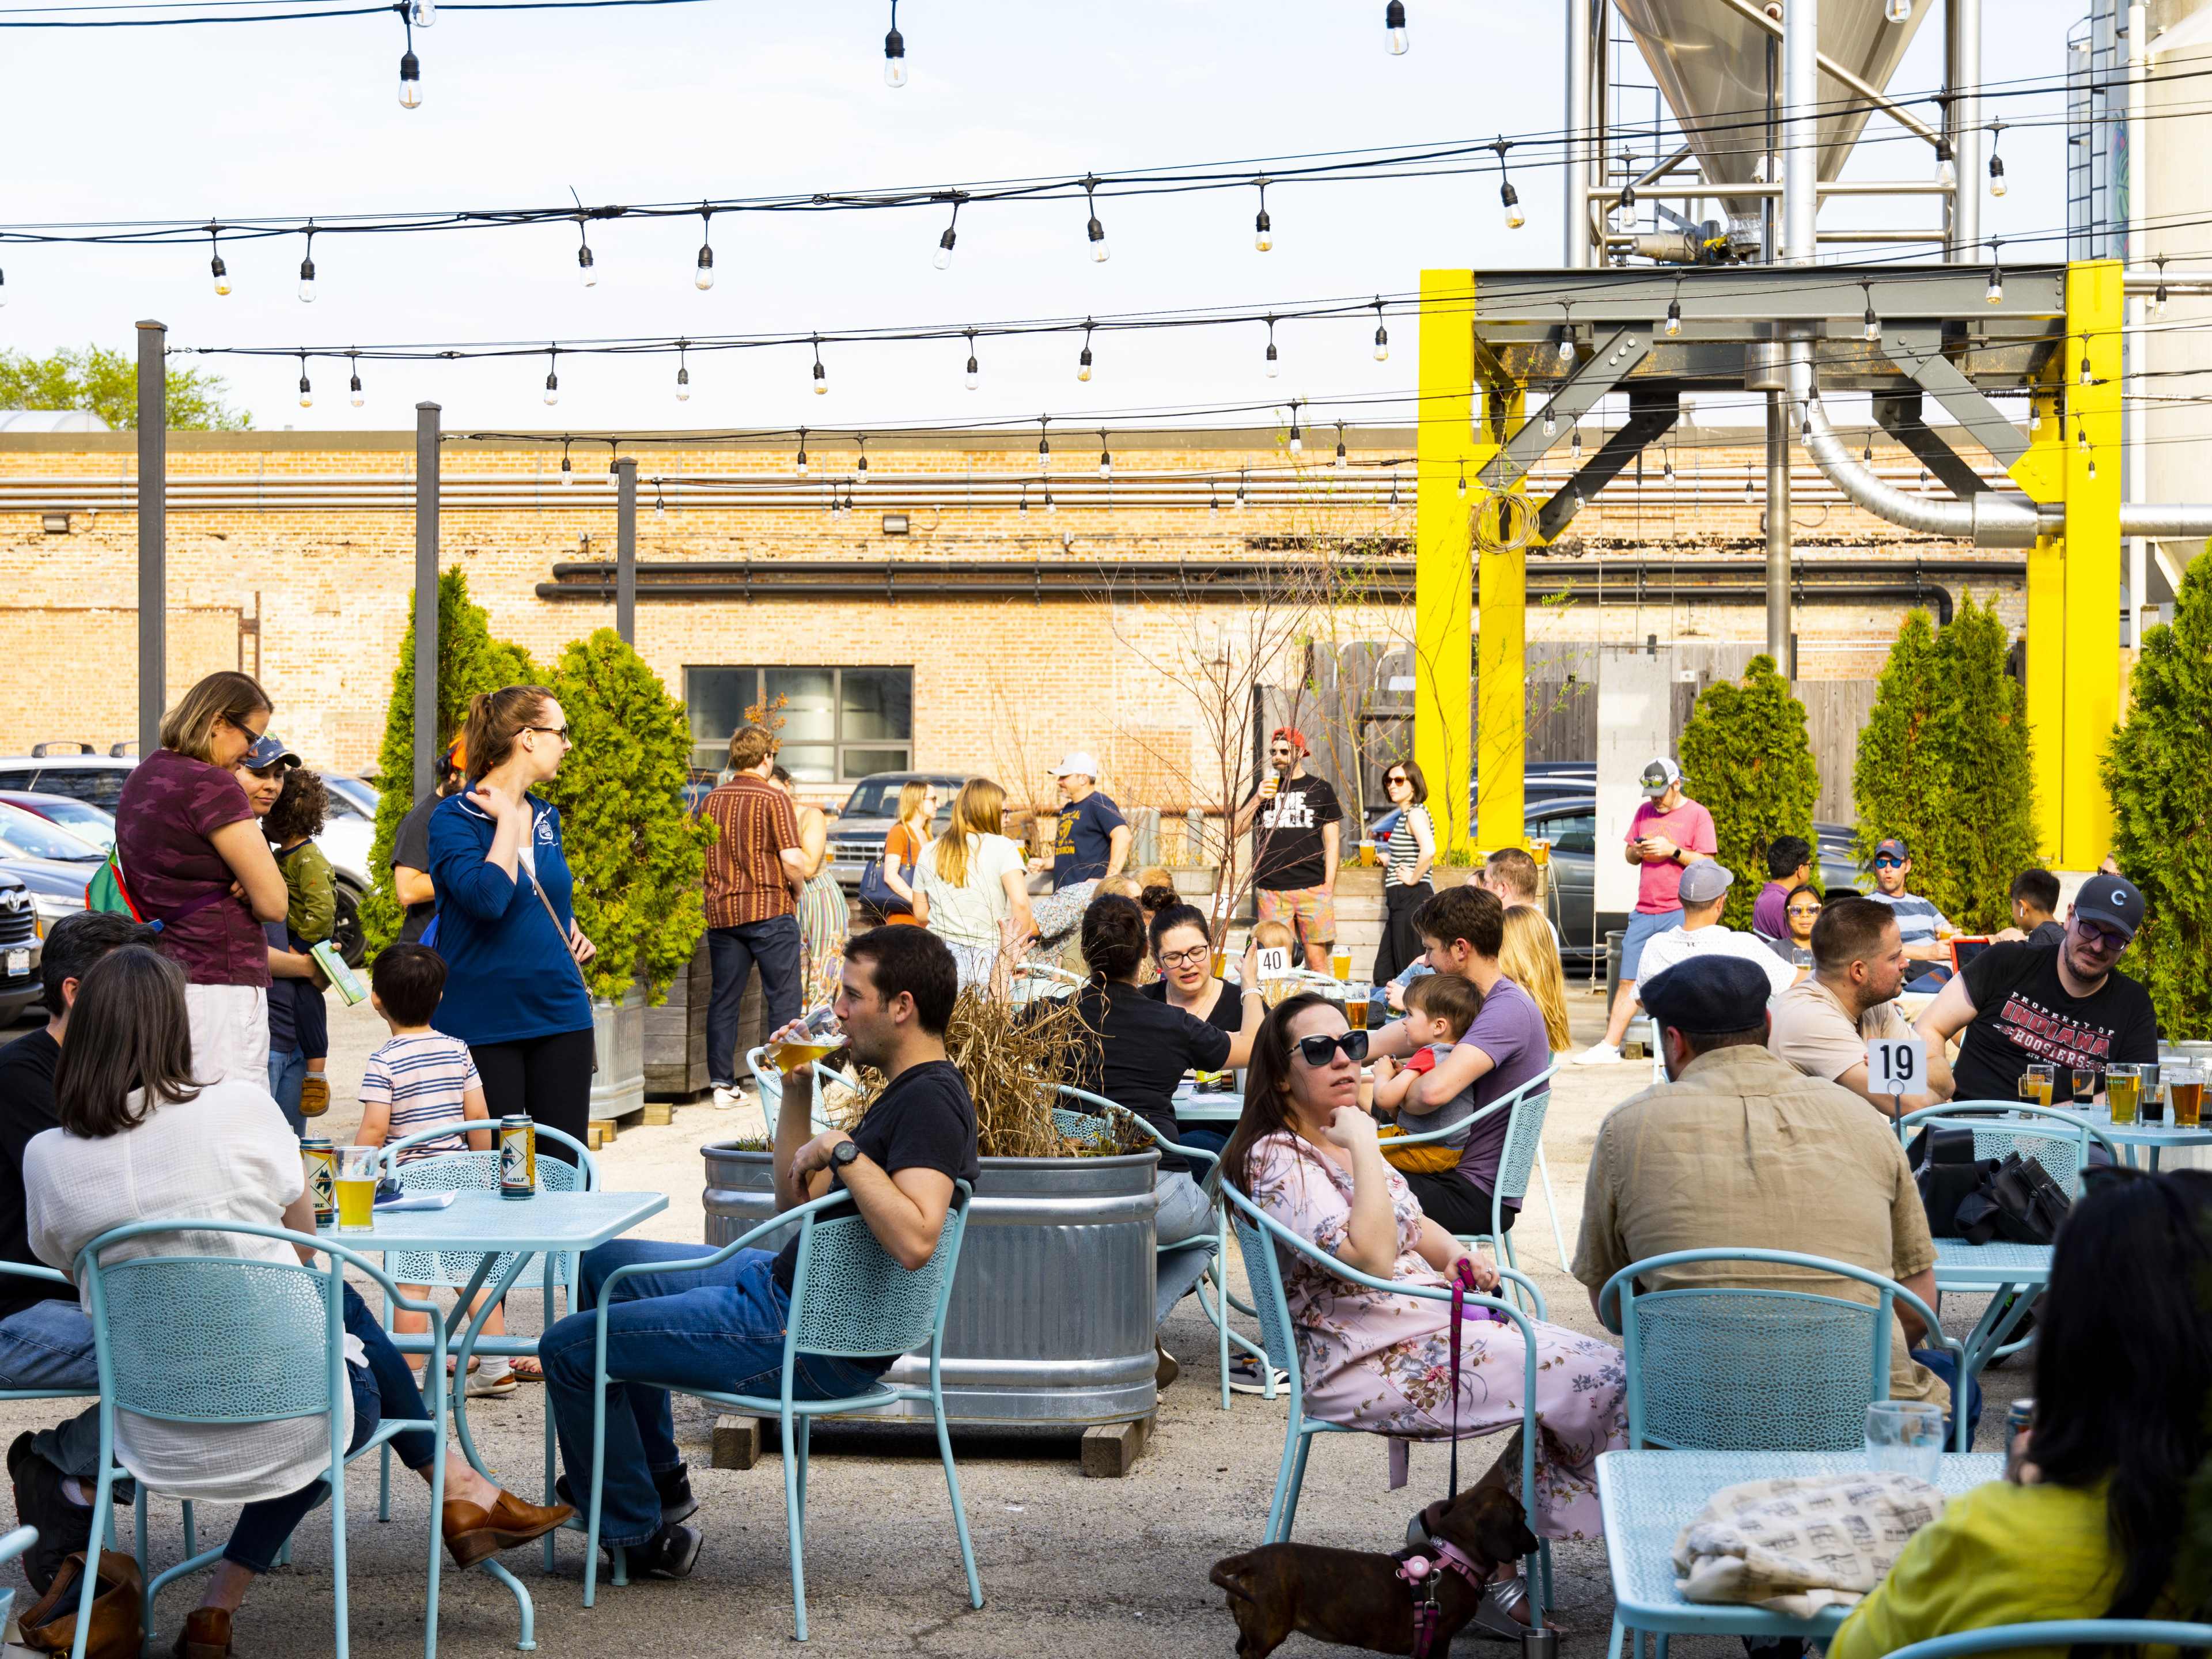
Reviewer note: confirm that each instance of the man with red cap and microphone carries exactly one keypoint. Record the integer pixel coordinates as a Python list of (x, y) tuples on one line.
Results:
[(1296, 853)]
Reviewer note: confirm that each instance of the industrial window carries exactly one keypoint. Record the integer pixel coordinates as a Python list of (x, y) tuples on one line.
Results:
[(836, 724)]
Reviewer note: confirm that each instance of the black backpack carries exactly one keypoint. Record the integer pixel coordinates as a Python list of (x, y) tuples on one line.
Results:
[(1980, 1200)]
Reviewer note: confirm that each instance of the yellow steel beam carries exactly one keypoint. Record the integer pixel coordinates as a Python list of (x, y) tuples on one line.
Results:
[(2091, 685), (2045, 629), (1444, 570)]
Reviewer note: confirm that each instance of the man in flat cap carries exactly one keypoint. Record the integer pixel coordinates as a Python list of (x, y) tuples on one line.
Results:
[(1739, 1150)]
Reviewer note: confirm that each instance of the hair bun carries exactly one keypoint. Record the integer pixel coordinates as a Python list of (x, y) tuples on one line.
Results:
[(1157, 897)]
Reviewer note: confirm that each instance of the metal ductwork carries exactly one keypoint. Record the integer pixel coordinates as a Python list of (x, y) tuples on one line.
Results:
[(2172, 521)]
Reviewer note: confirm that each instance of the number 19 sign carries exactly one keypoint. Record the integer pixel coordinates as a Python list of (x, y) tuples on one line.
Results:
[(1896, 1066)]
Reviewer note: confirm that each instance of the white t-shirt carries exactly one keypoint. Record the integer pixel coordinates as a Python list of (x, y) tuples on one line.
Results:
[(970, 913), (225, 1155), (1663, 951)]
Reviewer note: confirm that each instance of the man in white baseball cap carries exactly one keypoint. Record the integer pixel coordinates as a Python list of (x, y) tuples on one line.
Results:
[(1669, 834), (1092, 841)]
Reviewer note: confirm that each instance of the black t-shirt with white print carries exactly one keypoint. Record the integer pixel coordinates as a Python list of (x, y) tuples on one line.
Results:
[(2024, 1014), (1286, 834)]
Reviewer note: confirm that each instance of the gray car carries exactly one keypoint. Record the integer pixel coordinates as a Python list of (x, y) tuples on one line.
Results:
[(22, 940), (857, 833)]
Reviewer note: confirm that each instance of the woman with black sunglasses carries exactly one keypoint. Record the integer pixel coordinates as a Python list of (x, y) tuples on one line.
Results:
[(1413, 849), (1305, 1154)]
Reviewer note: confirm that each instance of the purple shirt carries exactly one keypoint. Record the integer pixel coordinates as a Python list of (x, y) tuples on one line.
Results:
[(170, 807), (1770, 914), (1509, 1029)]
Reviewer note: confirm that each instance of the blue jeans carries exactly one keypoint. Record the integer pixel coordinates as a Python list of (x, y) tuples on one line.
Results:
[(718, 1329), (1206, 1141), (1185, 1217), (731, 953), (1644, 924), (1947, 1368), (48, 1345), (383, 1389), (286, 1072)]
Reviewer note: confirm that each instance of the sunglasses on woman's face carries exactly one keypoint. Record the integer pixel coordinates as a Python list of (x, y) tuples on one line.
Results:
[(1317, 1051), (1396, 781)]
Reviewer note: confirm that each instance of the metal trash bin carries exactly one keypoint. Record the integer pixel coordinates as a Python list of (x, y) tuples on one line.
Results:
[(1614, 939)]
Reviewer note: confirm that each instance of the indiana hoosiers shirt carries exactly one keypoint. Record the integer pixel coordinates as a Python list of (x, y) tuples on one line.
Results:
[(1286, 834), (2024, 1013)]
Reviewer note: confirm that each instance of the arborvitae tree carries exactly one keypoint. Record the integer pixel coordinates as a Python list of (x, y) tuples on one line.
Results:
[(1746, 759), (469, 661), (636, 852), (1899, 779), (2158, 775), (1987, 833)]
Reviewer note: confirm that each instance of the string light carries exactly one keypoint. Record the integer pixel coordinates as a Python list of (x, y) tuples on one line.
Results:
[(568, 472), (2157, 299), (1394, 492), (2088, 377), (1750, 485), (1550, 423), (410, 72), (1575, 444), (895, 53), (802, 451), (860, 440), (1082, 359), (1945, 172), (660, 506), (221, 271), (1998, 185), (2081, 436), (1462, 481), (1667, 470), (1024, 507), (683, 374), (821, 375), (1873, 323), (1105, 456), (1044, 448), (1263, 227), (423, 14), (1212, 496), (1274, 362), (307, 268), (1100, 253), (355, 387), (974, 376), (552, 376), (705, 279), (944, 259), (1995, 293), (1050, 505), (1511, 197), (307, 392), (1240, 489), (1674, 311), (1342, 460), (1297, 438), (1393, 27), (1382, 334), (584, 255), (1897, 11)]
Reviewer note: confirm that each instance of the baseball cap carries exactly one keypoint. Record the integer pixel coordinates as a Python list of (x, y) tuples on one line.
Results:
[(2113, 900), (457, 755), (268, 749), (1291, 735), (1659, 776), (1892, 848), (1705, 881), (1709, 995), (1077, 763)]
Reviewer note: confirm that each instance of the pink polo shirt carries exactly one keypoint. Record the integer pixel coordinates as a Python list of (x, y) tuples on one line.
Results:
[(1690, 827)]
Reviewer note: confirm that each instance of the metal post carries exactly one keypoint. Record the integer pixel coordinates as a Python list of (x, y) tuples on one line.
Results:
[(1580, 64), (1777, 530), (1801, 138), (2134, 447), (153, 532), (1962, 43), (626, 550), (426, 601)]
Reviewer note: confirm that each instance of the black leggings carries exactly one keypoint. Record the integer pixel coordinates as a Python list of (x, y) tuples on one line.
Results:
[(1456, 1204), (547, 1079), (1400, 945)]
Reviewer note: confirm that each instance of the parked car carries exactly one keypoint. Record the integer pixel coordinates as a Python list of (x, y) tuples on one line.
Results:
[(22, 937), (857, 833), (80, 818), (96, 780), (51, 862)]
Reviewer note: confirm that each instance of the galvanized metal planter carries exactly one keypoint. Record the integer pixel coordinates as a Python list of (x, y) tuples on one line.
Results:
[(1051, 1321)]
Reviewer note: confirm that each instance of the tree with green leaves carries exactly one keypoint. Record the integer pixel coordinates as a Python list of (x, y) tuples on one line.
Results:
[(2158, 775), (106, 383), (1746, 759), (469, 661), (1896, 777), (635, 848)]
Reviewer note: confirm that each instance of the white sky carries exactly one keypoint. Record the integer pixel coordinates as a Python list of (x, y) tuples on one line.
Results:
[(737, 97)]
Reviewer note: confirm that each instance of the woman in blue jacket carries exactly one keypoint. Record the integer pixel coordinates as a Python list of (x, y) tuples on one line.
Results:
[(514, 957)]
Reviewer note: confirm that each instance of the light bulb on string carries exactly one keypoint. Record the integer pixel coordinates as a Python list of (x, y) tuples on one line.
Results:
[(1382, 335), (705, 278), (1240, 489), (2088, 376), (1567, 359), (585, 268), (1998, 185), (1100, 253), (411, 70), (861, 441), (895, 53), (567, 472), (1105, 456), (821, 375), (2158, 299), (1212, 496), (359, 398), (944, 256), (1550, 423), (660, 506), (216, 266), (683, 373), (1082, 359), (307, 392), (1750, 486), (1575, 444), (552, 377), (1506, 194), (1044, 446), (1342, 460), (1263, 227), (1394, 28), (1873, 329), (423, 14), (1945, 172), (1674, 311), (1995, 293), (1394, 492), (1667, 470), (1274, 362), (307, 268), (1050, 505), (1462, 481), (974, 376), (801, 462), (1297, 438), (1024, 506)]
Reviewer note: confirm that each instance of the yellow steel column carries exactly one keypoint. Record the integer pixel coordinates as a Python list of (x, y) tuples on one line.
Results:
[(2091, 684), (1501, 684), (1443, 572), (2042, 473)]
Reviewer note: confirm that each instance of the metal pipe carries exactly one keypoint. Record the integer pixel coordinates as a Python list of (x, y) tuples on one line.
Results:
[(2149, 279), (1778, 529), (152, 533), (1874, 95), (1800, 139), (426, 600), (1962, 43), (2134, 345), (626, 550), (1576, 253), (1885, 236), (1823, 188), (2179, 520)]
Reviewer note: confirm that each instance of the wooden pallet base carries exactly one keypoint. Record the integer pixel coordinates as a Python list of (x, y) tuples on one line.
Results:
[(1109, 1451)]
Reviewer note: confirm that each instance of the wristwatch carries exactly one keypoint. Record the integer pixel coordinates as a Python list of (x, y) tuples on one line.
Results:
[(844, 1152)]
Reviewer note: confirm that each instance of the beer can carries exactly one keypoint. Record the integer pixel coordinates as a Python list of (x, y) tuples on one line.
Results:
[(320, 1163), (517, 1158), (2018, 1416)]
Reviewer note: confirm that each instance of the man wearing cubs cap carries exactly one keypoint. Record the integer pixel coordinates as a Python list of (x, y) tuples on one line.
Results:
[(1669, 833), (2064, 1003)]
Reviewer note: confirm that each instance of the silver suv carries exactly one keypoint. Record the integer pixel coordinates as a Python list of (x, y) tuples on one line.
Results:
[(857, 834)]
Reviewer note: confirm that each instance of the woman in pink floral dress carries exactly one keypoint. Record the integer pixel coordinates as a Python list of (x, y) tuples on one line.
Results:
[(1306, 1154)]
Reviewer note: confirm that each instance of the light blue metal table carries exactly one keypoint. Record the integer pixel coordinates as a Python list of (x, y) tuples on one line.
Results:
[(2152, 1139), (1648, 1497), (1213, 1106), (2011, 1275)]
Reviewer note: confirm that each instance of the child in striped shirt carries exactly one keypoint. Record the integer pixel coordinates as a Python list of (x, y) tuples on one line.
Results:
[(423, 1080)]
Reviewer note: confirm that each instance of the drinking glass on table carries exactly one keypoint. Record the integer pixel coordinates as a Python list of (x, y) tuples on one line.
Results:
[(1905, 1437), (1339, 964), (1355, 1005), (357, 1187), (2184, 1093), (2087, 1080), (2037, 1082), (2122, 1091)]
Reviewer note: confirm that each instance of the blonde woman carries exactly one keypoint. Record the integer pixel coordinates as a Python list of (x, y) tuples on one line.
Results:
[(976, 884), (1530, 958), (917, 806)]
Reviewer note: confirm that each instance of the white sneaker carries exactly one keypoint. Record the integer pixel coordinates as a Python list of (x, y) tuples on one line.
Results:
[(489, 1384), (1599, 1054), (726, 1100)]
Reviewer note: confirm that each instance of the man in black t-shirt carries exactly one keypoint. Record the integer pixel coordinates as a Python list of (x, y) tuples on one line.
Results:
[(46, 1340), (2016, 1003), (722, 1328), (411, 853), (1294, 853)]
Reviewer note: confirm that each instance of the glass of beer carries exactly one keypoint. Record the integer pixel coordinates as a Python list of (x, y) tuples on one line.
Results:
[(1367, 854), (818, 1038), (1339, 964), (1221, 965), (2184, 1093), (2122, 1091), (357, 1187), (1355, 1005), (2037, 1082), (2087, 1080), (2153, 1096)]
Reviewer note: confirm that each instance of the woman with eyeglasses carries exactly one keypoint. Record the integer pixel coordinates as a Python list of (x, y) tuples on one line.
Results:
[(505, 925), (1182, 950), (1304, 1153), (196, 865), (1405, 878), (1800, 911)]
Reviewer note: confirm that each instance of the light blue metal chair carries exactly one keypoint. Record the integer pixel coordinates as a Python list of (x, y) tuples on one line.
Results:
[(1527, 1107), (1800, 1367), (51, 1276), (1258, 1235), (12, 1547), (224, 1339), (848, 1299), (2059, 1141), (2112, 1634), (1098, 1129), (478, 1171)]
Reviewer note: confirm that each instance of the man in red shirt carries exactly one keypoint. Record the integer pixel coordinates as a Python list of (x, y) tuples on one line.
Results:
[(754, 868), (1669, 833)]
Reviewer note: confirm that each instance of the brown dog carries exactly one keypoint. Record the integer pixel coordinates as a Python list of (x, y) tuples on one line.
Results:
[(1358, 1598)]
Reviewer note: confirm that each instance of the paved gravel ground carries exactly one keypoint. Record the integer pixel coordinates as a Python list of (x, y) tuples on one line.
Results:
[(1070, 1566)]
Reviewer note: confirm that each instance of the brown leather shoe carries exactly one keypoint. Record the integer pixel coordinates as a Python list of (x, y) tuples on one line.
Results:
[(206, 1634), (473, 1533)]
